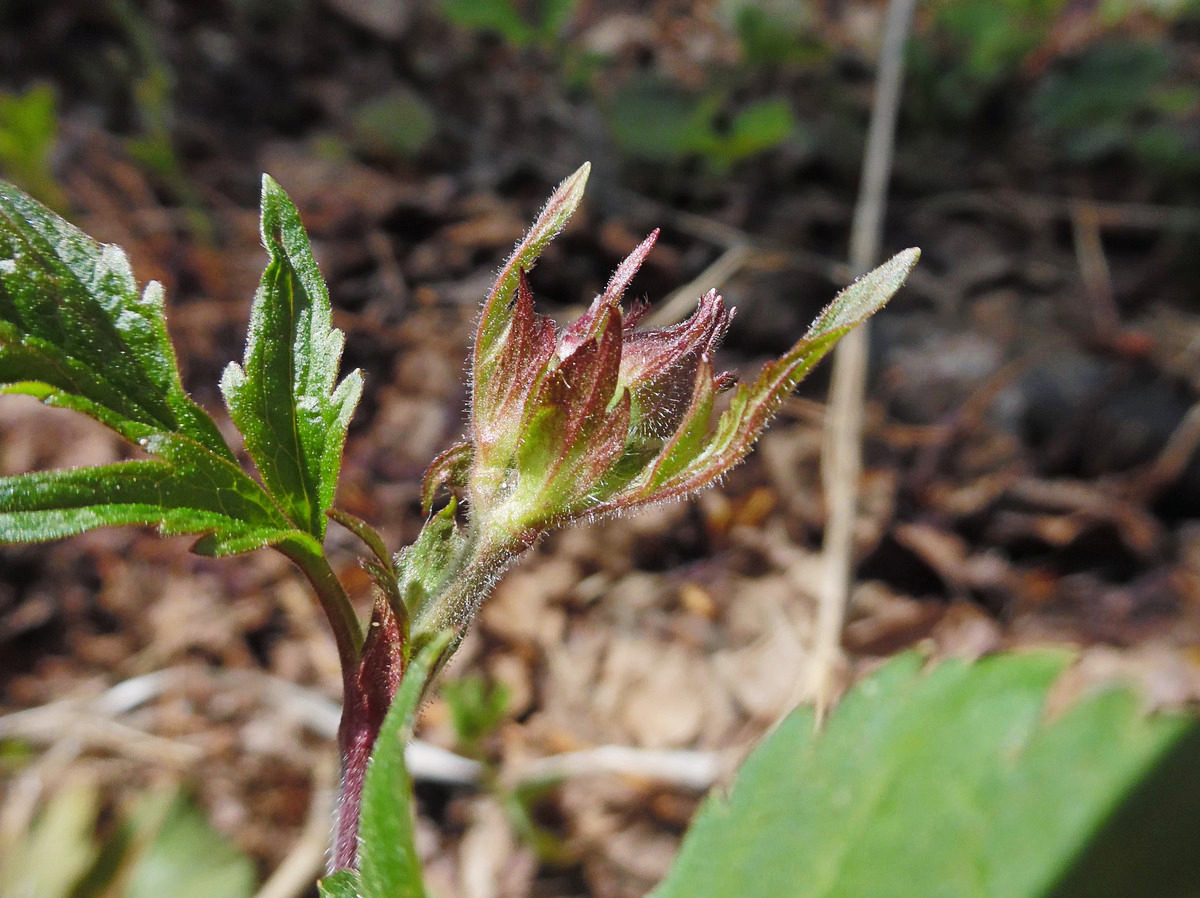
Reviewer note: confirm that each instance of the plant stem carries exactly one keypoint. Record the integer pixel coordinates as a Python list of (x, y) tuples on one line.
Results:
[(373, 667), (465, 582), (369, 695), (359, 726), (347, 631), (465, 585)]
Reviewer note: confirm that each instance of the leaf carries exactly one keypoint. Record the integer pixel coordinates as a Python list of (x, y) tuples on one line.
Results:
[(388, 864), (282, 397), (656, 120), (28, 131), (940, 783), (189, 859), (758, 127), (477, 708), (343, 884), (75, 333), (496, 16), (395, 124), (208, 496)]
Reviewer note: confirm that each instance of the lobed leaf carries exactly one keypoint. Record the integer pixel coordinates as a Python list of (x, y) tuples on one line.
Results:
[(946, 782), (283, 396), (75, 331), (200, 495)]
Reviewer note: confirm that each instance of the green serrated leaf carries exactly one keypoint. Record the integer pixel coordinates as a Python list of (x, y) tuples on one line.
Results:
[(343, 884), (282, 397), (73, 326), (947, 782), (199, 494), (75, 333), (388, 863)]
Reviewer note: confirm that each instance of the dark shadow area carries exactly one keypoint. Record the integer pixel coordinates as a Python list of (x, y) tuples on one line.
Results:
[(1149, 846)]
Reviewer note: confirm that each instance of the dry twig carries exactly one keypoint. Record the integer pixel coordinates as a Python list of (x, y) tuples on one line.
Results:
[(842, 458)]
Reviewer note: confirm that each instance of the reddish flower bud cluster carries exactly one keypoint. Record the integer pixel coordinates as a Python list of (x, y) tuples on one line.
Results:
[(602, 416)]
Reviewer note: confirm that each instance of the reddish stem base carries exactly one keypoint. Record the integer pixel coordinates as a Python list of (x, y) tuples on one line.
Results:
[(369, 694)]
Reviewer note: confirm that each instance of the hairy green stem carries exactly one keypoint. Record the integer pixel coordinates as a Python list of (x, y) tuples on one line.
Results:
[(464, 587), (358, 729), (347, 630), (372, 668)]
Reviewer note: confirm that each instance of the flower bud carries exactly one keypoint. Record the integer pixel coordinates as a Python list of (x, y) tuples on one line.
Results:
[(604, 417)]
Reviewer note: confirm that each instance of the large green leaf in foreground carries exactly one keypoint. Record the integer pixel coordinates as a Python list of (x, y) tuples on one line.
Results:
[(949, 783)]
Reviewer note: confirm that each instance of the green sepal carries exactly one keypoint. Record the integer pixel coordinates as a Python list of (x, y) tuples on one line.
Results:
[(282, 397), (451, 468), (753, 405), (388, 866), (574, 430), (688, 440), (496, 317)]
